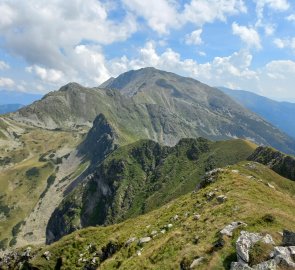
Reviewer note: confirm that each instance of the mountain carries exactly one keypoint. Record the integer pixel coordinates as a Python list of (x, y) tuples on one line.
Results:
[(280, 114), (277, 161), (138, 178), (60, 149), (153, 104), (7, 108), (186, 230), (14, 97)]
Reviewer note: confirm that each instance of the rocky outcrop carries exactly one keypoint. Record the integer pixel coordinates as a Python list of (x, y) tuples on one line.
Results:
[(282, 164), (280, 256), (229, 229)]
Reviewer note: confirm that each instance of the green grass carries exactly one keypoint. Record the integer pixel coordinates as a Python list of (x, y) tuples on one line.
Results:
[(141, 177), (248, 201)]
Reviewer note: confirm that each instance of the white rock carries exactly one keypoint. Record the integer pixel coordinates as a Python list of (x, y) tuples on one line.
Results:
[(240, 266), (267, 265), (235, 171), (144, 240), (270, 186), (197, 217), (228, 230), (130, 241), (246, 240)]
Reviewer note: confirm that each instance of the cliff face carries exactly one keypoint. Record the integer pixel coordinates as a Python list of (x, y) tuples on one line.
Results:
[(277, 161)]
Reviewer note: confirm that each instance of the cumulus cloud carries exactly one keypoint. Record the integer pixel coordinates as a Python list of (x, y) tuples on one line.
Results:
[(207, 11), (44, 32), (285, 43), (164, 15), (6, 82), (276, 5), (47, 75), (161, 15), (247, 34), (3, 65), (291, 18), (194, 38)]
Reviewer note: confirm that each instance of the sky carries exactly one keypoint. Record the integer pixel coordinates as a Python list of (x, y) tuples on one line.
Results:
[(240, 44)]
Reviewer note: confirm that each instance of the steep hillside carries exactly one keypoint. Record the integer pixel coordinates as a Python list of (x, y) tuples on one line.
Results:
[(280, 114), (157, 105), (140, 177), (33, 163), (277, 161), (185, 229)]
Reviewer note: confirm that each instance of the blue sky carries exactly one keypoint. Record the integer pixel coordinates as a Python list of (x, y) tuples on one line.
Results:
[(234, 43)]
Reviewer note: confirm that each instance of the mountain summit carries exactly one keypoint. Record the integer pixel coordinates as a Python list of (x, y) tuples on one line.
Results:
[(154, 104)]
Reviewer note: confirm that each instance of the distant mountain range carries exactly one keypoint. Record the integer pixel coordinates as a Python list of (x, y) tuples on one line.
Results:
[(7, 108), (11, 101), (280, 114)]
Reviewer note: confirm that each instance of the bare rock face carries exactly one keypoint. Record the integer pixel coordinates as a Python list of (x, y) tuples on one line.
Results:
[(281, 256), (246, 241)]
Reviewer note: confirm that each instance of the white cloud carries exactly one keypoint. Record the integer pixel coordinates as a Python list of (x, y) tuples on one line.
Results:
[(4, 65), (45, 32), (291, 18), (194, 38), (207, 11), (161, 15), (47, 75), (285, 43), (248, 35), (276, 5), (164, 15), (6, 82)]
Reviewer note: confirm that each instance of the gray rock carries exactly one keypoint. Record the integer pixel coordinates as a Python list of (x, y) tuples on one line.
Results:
[(221, 198), (267, 265), (154, 233), (144, 240), (288, 238), (47, 255), (283, 257), (240, 266), (197, 217), (196, 262), (176, 217), (210, 195), (246, 241), (228, 230), (130, 241)]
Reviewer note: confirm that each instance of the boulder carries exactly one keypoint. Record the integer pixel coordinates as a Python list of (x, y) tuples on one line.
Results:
[(144, 240), (228, 230), (130, 241), (240, 266), (246, 240), (267, 265), (288, 238), (283, 257), (221, 198)]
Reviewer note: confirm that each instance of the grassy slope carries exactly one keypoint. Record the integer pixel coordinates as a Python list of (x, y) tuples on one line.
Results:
[(248, 200), (141, 177), (18, 192)]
